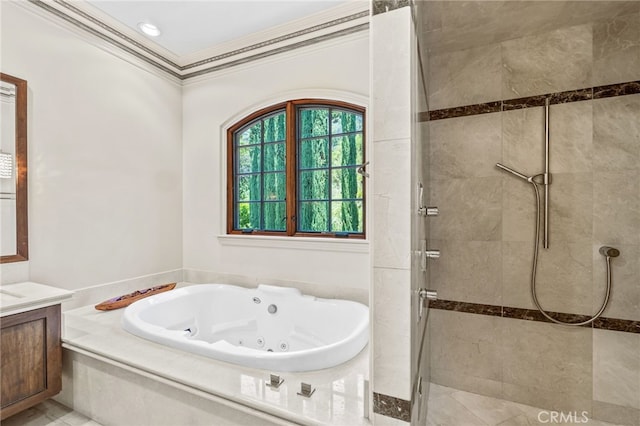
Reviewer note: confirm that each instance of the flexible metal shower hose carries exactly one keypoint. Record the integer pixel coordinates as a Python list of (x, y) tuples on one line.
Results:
[(534, 268)]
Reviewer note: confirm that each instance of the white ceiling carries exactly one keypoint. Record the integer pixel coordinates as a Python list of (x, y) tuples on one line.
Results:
[(192, 26)]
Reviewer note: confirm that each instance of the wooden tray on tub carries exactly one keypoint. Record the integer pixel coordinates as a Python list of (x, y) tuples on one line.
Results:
[(127, 299)]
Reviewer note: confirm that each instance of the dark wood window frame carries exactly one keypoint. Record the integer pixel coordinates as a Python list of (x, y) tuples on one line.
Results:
[(291, 168)]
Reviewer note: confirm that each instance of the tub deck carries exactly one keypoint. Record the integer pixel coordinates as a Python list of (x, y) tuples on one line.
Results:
[(338, 399)]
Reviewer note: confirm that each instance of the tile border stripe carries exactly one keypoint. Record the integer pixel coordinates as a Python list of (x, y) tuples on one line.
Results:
[(598, 92), (391, 406), (602, 323)]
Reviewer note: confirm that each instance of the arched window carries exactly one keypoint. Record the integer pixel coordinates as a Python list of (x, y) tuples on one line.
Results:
[(292, 170)]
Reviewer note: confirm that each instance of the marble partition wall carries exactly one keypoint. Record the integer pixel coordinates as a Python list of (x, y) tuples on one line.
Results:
[(485, 107), (391, 35)]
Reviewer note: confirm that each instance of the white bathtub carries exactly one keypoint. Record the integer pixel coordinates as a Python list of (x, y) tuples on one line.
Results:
[(234, 324)]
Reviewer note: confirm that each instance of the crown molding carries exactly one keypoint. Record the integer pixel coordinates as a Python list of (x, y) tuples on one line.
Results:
[(332, 23)]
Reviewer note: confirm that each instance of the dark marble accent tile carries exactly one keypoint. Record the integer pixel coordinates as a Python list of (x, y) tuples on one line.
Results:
[(535, 315), (382, 6), (528, 102), (423, 116), (463, 111), (615, 324), (392, 407), (472, 308), (620, 89), (571, 96)]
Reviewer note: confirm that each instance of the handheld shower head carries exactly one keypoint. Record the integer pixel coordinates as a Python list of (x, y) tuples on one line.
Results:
[(513, 172), (609, 251)]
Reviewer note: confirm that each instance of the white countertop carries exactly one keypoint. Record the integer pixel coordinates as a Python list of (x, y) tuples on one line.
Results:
[(25, 296)]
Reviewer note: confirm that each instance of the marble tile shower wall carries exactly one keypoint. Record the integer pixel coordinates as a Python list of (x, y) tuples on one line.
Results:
[(486, 226)]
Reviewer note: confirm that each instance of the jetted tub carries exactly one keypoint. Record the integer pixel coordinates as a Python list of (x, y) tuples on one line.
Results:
[(273, 328)]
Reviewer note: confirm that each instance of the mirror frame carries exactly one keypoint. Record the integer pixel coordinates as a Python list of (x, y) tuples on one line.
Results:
[(22, 234)]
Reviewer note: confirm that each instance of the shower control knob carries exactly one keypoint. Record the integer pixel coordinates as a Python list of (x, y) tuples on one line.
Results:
[(432, 254), (432, 211), (424, 293), (428, 211)]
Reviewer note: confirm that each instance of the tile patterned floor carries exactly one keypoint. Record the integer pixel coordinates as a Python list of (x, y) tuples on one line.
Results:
[(49, 413), (447, 407)]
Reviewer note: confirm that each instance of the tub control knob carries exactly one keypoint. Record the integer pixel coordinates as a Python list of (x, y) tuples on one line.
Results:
[(272, 309)]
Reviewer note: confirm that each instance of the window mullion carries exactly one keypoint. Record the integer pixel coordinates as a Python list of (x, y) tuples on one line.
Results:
[(291, 169)]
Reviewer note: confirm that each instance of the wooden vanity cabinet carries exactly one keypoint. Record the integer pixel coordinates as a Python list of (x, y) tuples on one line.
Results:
[(31, 359)]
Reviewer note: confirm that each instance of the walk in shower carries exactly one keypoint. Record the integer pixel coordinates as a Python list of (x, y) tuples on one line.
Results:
[(552, 89)]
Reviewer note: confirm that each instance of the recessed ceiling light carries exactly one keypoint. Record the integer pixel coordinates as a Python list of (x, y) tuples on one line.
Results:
[(149, 29)]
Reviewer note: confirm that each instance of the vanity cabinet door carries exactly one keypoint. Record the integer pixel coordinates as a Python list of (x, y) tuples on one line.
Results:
[(31, 359)]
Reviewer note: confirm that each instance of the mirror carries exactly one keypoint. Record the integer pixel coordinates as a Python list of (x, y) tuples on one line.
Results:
[(14, 241)]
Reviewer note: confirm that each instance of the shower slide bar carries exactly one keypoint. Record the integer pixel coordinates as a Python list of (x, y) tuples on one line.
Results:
[(543, 178)]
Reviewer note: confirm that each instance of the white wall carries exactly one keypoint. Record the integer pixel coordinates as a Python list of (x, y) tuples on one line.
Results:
[(105, 157), (336, 69)]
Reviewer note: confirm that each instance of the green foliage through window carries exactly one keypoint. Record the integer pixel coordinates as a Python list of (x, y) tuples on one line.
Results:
[(329, 196)]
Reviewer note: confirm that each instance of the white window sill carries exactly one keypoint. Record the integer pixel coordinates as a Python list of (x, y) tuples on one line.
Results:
[(296, 243)]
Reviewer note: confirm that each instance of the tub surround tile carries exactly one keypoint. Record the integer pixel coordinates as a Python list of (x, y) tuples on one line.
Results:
[(390, 406)]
